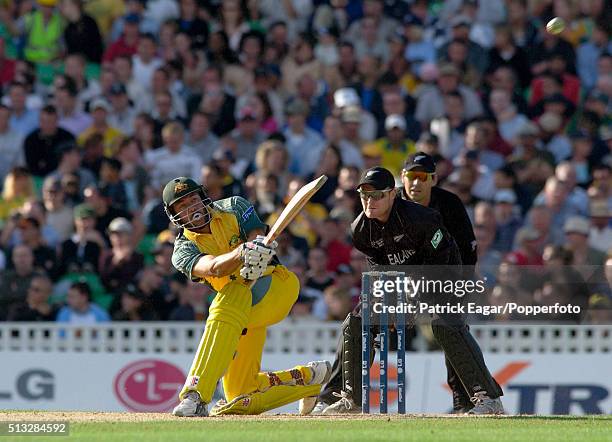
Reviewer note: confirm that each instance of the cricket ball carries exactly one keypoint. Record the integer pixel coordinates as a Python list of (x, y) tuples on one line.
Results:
[(555, 26)]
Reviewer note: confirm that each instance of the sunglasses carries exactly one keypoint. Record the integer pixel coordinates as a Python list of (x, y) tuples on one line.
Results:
[(373, 194), (421, 176)]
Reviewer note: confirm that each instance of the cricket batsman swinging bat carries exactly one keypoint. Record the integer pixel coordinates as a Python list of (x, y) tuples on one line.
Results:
[(294, 207)]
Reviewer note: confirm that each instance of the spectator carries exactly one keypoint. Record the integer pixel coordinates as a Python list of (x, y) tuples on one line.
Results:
[(123, 113), (80, 309), (506, 53), (59, 214), (395, 147), (173, 159), (134, 7), (145, 62), (71, 118), (43, 33), (134, 306), (527, 251), (192, 304), (24, 119), (200, 137), (120, 264), (15, 282), (41, 146), (303, 144), (430, 103), (507, 219), (100, 125), (36, 305), (70, 164), (589, 52), (81, 35), (105, 213), (334, 134), (111, 183), (577, 230), (81, 252), (600, 233), (509, 120), (127, 44), (11, 143), (133, 174), (247, 135), (318, 277), (7, 64), (338, 302)]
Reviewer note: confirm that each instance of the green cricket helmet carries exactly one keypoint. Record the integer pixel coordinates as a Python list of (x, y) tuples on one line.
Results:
[(194, 216)]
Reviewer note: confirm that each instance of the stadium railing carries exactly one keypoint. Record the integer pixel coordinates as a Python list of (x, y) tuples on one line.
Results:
[(289, 336)]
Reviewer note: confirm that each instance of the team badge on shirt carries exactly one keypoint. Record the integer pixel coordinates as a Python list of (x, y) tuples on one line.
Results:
[(435, 241)]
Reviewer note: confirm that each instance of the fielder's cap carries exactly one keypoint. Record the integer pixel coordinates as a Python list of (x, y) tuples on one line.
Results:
[(461, 20), (178, 188), (297, 107), (395, 121), (505, 196), (420, 161), (378, 177), (577, 224), (100, 103), (120, 225), (84, 211), (599, 209), (346, 96), (118, 89), (351, 114)]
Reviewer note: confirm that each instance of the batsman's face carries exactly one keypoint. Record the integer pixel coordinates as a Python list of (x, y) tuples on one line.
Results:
[(378, 203), (190, 211)]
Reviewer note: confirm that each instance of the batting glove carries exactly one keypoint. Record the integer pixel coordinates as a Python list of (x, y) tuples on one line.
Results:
[(254, 272)]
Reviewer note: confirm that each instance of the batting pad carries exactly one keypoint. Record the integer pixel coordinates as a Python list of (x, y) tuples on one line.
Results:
[(262, 401), (228, 316)]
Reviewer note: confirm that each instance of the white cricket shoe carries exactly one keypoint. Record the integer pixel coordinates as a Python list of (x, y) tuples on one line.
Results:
[(345, 405), (191, 406), (311, 405), (321, 372), (484, 405)]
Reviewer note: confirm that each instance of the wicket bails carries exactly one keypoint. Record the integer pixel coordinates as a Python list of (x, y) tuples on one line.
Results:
[(366, 293)]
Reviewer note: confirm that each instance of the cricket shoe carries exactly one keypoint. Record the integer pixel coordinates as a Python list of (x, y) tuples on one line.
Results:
[(191, 406), (345, 405), (311, 405), (321, 374), (484, 405)]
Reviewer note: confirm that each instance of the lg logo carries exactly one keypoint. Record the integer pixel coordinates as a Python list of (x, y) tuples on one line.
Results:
[(34, 384)]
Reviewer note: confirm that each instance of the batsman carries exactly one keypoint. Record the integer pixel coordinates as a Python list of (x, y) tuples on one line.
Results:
[(221, 244)]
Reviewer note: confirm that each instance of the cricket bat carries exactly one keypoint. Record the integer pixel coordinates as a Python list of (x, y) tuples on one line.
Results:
[(294, 207)]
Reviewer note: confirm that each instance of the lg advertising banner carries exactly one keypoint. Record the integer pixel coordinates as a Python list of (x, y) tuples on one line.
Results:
[(533, 384)]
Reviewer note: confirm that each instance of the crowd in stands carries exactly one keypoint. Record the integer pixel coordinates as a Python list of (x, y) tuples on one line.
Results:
[(104, 101)]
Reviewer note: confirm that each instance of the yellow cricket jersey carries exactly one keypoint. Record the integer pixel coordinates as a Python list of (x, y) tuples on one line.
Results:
[(393, 158), (232, 221)]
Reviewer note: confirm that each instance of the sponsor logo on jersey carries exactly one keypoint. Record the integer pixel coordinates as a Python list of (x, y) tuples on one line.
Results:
[(235, 239), (378, 243), (397, 238), (247, 213)]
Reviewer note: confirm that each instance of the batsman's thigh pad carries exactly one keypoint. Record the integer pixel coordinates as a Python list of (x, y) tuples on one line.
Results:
[(228, 316), (277, 301), (464, 354)]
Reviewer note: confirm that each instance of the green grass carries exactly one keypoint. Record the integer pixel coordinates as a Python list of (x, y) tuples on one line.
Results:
[(530, 429)]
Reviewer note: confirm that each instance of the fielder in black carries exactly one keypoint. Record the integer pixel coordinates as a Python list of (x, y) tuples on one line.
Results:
[(396, 231)]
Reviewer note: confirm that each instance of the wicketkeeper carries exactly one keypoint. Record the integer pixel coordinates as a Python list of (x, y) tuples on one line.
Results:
[(220, 244), (394, 231)]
